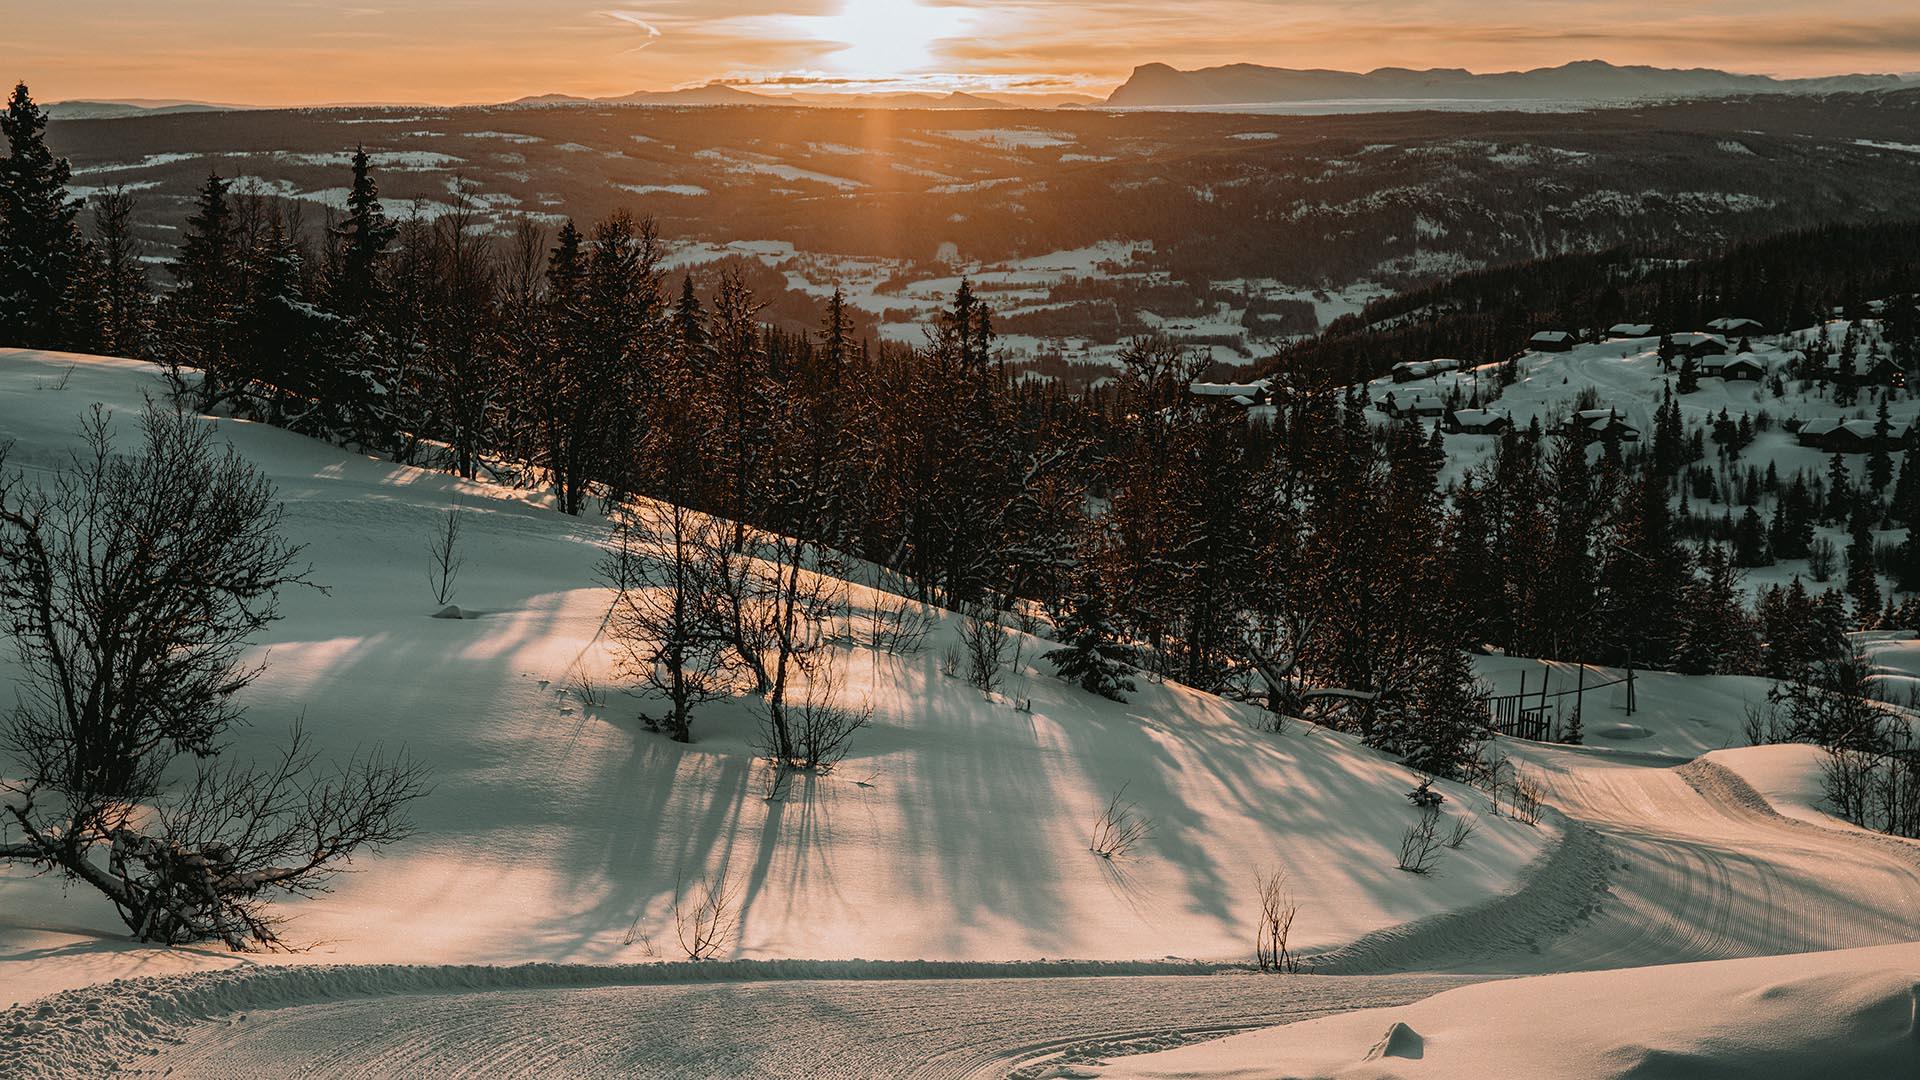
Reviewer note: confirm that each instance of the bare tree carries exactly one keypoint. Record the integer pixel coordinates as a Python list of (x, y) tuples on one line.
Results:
[(667, 618), (444, 559), (1277, 910), (131, 586), (705, 920)]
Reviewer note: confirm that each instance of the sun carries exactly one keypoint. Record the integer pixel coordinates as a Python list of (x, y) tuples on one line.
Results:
[(886, 37)]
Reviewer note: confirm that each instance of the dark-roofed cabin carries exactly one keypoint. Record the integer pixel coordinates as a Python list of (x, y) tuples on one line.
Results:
[(1475, 422), (1735, 326), (1699, 345), (1851, 436), (1242, 394), (1865, 371), (1741, 367), (1409, 370), (1594, 424)]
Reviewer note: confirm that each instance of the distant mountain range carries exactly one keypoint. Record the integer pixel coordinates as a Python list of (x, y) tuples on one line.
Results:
[(99, 110), (725, 94), (1161, 86)]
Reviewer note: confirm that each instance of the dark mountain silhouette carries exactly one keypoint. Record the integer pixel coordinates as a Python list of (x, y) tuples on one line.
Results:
[(1158, 85)]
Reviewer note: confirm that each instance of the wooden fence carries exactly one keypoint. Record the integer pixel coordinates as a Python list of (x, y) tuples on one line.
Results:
[(1548, 715)]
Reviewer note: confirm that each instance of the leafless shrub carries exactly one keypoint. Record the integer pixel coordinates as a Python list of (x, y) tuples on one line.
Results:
[(985, 642), (444, 559), (1463, 829), (1493, 775), (950, 662), (705, 921), (1277, 910), (588, 689), (1420, 844), (1875, 789), (1847, 775), (1119, 828), (1528, 793), (823, 729), (899, 626)]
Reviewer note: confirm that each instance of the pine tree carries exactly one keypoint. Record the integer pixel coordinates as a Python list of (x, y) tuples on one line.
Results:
[(1879, 462), (1750, 541), (203, 313), (47, 297), (363, 238), (127, 328), (1863, 587), (1840, 497)]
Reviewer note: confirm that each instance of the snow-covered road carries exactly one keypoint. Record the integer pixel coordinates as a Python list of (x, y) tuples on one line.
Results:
[(847, 1028)]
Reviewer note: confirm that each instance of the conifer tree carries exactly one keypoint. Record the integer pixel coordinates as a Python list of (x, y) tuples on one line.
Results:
[(1091, 654), (1863, 587), (363, 238), (127, 316), (203, 312), (46, 289)]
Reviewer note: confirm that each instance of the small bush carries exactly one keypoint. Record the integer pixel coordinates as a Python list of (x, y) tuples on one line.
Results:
[(1463, 829), (1420, 844), (985, 644), (1119, 829)]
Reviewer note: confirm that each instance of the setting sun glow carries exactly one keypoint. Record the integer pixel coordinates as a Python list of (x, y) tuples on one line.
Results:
[(886, 37)]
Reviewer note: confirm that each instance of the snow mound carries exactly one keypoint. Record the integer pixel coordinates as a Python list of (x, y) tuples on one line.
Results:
[(1854, 1013)]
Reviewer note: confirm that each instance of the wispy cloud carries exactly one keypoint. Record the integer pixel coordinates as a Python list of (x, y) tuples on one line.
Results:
[(633, 19)]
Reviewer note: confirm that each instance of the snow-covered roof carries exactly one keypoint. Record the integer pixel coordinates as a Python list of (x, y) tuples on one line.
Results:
[(1479, 417), (1819, 426), (1694, 337), (1630, 329), (1551, 336), (1203, 389), (1734, 324)]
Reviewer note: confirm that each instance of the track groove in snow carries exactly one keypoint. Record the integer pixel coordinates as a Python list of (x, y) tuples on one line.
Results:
[(942, 1030)]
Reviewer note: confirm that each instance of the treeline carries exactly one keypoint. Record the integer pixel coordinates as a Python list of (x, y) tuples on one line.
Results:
[(1791, 280)]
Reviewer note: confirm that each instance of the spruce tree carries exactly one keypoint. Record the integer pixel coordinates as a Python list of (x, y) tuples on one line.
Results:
[(46, 288), (363, 238), (127, 328), (1092, 655), (1863, 587), (203, 312)]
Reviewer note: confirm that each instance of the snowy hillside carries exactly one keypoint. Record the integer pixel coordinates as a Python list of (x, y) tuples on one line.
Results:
[(1625, 377), (560, 830)]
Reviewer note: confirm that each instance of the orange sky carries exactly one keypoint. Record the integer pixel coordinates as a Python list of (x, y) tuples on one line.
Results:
[(276, 52)]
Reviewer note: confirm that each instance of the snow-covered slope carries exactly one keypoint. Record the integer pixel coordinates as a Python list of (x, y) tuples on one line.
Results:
[(560, 831)]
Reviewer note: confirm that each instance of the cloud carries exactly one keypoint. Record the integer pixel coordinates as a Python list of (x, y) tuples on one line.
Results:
[(634, 20)]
